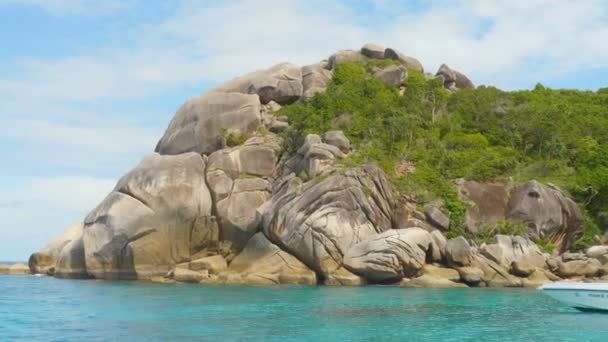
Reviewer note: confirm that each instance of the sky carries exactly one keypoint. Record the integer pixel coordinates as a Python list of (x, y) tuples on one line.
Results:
[(88, 87)]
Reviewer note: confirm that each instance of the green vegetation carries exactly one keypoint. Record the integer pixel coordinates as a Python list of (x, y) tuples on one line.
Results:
[(487, 233), (232, 139), (558, 136)]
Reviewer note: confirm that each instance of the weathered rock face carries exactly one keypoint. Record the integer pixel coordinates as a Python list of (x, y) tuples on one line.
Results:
[(345, 56), (598, 252), (471, 275), (508, 249), (486, 203), (436, 217), (239, 182), (428, 281), (71, 261), (338, 139), (372, 50), (343, 277), (213, 264), (188, 276), (44, 261), (15, 269), (281, 83), (262, 262), (549, 214), (458, 252), (156, 216), (441, 272), (315, 79), (391, 255), (313, 158), (579, 268), (409, 62), (494, 275), (198, 124), (392, 76), (453, 79), (320, 220)]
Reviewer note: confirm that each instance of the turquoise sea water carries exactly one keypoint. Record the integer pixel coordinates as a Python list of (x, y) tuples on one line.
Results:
[(48, 309)]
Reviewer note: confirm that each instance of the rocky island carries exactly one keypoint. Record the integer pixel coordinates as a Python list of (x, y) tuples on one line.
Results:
[(359, 169)]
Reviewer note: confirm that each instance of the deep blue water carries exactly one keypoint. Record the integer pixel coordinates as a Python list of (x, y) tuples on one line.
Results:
[(48, 309)]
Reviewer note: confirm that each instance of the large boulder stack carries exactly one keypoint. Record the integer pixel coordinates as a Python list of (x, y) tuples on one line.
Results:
[(318, 221), (222, 202), (505, 250), (549, 214), (157, 216), (239, 180), (315, 157)]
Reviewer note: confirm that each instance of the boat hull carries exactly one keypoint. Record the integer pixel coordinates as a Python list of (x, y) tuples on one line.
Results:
[(582, 296)]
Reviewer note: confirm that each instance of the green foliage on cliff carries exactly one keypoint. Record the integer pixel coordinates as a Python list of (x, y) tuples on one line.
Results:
[(428, 137)]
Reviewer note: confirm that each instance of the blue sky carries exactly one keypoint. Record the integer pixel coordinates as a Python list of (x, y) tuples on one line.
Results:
[(88, 87)]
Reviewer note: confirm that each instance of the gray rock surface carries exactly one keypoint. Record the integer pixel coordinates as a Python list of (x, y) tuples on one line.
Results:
[(549, 214), (343, 277), (392, 76), (188, 276), (345, 56), (579, 268), (71, 261), (409, 62), (486, 203), (598, 252), (427, 281), (507, 249), (15, 269), (471, 275), (372, 50), (436, 217), (494, 275), (440, 272), (198, 125), (458, 252), (262, 262), (44, 260), (315, 79), (337, 139), (239, 181), (318, 221), (281, 83), (157, 216), (213, 264), (453, 79), (391, 255), (522, 268), (312, 158)]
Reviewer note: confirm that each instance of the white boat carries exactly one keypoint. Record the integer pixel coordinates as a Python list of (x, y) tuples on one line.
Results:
[(582, 296)]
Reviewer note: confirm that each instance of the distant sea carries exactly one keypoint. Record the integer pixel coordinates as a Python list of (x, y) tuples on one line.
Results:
[(48, 309)]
